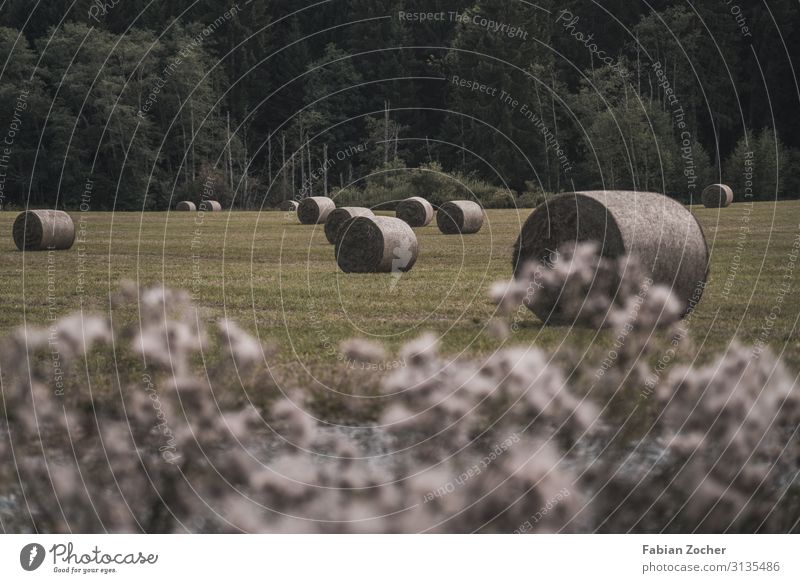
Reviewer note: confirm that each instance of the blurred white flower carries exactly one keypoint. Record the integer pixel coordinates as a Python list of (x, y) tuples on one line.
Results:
[(241, 346)]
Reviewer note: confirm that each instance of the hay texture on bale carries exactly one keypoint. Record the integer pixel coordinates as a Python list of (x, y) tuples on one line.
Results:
[(289, 206), (660, 232), (314, 210), (415, 211), (210, 206), (185, 205), (376, 245), (717, 196), (43, 229), (339, 216), (459, 217)]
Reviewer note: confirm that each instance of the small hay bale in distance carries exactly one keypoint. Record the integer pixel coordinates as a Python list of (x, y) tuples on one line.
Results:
[(717, 196), (314, 210), (459, 217), (43, 229), (376, 245), (289, 206), (210, 206), (416, 211), (661, 232), (339, 216), (185, 205)]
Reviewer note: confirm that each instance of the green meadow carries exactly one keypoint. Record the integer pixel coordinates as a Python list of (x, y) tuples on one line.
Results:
[(279, 279)]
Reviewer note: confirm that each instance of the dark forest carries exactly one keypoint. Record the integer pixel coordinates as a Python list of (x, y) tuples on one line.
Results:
[(133, 105)]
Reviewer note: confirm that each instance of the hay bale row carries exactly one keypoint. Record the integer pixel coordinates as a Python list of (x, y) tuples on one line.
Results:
[(338, 217), (210, 206), (289, 206), (660, 231), (415, 211), (376, 245), (459, 217), (314, 210), (43, 229), (717, 196)]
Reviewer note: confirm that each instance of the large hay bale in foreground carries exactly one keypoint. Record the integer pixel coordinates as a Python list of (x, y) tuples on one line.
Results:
[(376, 244), (459, 217), (210, 206), (185, 205), (339, 216), (314, 210), (661, 232), (717, 196), (415, 211), (43, 229), (289, 206)]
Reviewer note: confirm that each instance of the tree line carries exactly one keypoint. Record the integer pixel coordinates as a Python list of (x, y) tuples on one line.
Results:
[(253, 103)]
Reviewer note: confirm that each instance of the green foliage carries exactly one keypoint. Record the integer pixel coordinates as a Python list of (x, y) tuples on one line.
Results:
[(139, 99), (332, 86), (490, 126), (630, 143), (531, 199), (762, 168), (134, 117), (393, 183), (673, 39)]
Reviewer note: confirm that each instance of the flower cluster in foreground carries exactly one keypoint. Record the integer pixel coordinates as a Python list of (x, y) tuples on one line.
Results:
[(520, 441)]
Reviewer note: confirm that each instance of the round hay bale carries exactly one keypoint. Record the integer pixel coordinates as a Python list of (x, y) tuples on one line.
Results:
[(717, 196), (339, 216), (659, 231), (289, 206), (185, 205), (415, 211), (376, 245), (210, 206), (314, 210), (463, 217), (43, 229)]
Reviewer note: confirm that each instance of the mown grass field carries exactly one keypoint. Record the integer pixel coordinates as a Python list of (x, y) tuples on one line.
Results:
[(280, 279)]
